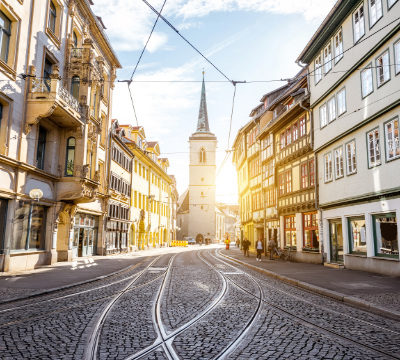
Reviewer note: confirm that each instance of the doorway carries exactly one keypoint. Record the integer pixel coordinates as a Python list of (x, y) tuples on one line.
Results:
[(336, 241)]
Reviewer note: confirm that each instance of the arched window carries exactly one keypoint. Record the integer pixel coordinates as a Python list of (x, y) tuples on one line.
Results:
[(74, 39), (70, 157), (202, 155), (75, 81), (52, 17)]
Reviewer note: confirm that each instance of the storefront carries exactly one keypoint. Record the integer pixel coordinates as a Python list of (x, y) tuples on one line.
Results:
[(336, 241), (3, 223), (85, 235), (117, 236)]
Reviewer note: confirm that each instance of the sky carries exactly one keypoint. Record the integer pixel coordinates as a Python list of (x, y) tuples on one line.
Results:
[(252, 40)]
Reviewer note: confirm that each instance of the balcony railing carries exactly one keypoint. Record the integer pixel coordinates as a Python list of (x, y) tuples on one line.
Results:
[(68, 98)]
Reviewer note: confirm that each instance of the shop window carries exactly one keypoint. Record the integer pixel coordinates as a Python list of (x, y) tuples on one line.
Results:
[(290, 231), (41, 147), (70, 157), (338, 46), (357, 232), (374, 149), (311, 235), (386, 235), (3, 221), (383, 68), (29, 227), (392, 139), (75, 83), (5, 36), (358, 23)]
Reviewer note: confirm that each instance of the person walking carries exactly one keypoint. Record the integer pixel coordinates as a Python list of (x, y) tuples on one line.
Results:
[(259, 248), (246, 244), (272, 248), (237, 243), (227, 242)]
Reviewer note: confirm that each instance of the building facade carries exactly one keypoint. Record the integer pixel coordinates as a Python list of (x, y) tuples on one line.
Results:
[(353, 66), (54, 126)]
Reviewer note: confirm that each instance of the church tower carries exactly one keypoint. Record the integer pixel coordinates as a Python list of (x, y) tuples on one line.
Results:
[(202, 169)]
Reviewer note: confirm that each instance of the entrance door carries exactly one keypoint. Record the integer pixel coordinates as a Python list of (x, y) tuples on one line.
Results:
[(336, 240)]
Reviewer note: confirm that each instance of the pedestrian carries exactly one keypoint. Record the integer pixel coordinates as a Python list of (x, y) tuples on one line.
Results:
[(259, 248), (246, 244), (237, 243), (227, 242), (272, 248)]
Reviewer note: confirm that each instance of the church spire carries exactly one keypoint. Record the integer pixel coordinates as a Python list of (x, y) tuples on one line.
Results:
[(202, 123)]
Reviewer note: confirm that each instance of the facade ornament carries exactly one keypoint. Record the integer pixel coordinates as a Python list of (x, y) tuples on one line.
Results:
[(85, 171)]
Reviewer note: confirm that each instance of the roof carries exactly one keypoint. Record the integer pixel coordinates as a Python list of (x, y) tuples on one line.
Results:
[(183, 202), (340, 10)]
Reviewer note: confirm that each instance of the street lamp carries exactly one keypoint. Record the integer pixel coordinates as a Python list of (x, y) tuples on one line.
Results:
[(34, 194)]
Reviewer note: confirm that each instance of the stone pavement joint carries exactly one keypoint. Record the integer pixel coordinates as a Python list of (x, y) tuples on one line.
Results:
[(351, 300)]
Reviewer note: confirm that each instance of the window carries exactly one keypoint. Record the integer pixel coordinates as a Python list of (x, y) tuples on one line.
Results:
[(339, 162), (70, 157), (391, 3), (304, 176), (29, 227), (358, 23), (52, 17), (283, 140), (75, 82), (328, 167), (41, 147), (290, 231), (383, 68), (338, 46), (357, 232), (397, 57), (311, 235), (323, 116), (386, 239), (392, 139), (288, 136), (318, 69), (311, 172), (328, 58), (341, 101), (374, 151), (331, 109), (47, 71), (202, 155), (375, 11), (302, 124), (288, 181), (5, 35), (351, 162), (366, 81), (74, 39), (295, 132)]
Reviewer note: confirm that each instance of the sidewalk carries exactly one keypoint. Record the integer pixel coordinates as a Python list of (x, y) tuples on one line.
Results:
[(378, 293), (66, 274)]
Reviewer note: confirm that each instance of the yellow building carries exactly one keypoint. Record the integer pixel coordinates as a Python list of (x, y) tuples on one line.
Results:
[(152, 195)]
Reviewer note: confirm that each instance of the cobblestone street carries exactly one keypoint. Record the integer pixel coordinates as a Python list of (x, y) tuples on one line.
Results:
[(195, 304)]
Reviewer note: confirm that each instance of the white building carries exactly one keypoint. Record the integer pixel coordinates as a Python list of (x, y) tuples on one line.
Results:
[(197, 212), (354, 69)]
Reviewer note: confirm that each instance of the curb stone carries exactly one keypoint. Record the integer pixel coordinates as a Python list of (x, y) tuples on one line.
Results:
[(348, 299), (64, 287)]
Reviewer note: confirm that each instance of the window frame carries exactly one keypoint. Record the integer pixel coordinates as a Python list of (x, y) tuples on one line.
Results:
[(8, 33), (337, 102), (42, 147), (329, 62), (52, 17), (369, 14), (390, 6), (310, 228), (368, 153), (396, 58), (324, 105), (326, 179), (393, 119), (368, 67), (355, 155), (67, 148), (339, 57), (54, 36), (341, 160), (332, 99), (378, 67), (318, 69), (354, 24)]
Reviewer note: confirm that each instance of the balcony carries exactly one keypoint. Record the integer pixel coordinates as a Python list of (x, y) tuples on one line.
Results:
[(79, 188), (47, 98), (76, 55)]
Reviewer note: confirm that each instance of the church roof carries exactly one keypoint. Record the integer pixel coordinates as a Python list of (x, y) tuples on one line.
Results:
[(183, 203)]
